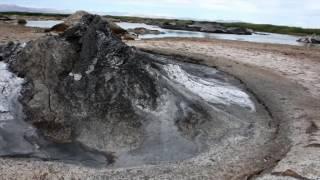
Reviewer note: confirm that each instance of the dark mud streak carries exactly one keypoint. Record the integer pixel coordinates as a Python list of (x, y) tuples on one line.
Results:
[(312, 128), (290, 173), (314, 145), (253, 175), (73, 158), (179, 57)]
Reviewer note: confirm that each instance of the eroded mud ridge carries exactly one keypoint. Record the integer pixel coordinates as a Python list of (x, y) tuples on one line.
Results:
[(89, 98)]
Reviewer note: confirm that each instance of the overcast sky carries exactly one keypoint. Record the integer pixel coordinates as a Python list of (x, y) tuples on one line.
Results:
[(304, 13)]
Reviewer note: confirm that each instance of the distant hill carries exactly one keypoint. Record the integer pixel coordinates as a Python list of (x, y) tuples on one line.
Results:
[(15, 8)]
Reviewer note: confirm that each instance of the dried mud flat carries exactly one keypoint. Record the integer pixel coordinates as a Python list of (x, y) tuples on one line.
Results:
[(285, 79)]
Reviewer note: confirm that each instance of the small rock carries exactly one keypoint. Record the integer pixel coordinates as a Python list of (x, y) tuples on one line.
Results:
[(129, 37), (314, 39), (58, 28), (22, 21), (144, 31), (239, 31)]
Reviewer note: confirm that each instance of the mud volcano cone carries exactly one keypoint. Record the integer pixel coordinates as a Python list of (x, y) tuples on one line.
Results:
[(87, 90)]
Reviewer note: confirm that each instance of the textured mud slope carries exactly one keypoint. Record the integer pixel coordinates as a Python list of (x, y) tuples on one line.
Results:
[(91, 98)]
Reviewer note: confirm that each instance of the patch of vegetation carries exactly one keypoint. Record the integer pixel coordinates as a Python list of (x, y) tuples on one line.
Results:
[(151, 21), (22, 21), (34, 14), (274, 28)]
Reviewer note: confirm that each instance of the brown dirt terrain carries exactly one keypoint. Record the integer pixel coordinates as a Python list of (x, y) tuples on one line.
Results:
[(17, 33)]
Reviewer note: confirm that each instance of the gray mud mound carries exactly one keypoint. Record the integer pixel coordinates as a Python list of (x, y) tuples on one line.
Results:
[(91, 98)]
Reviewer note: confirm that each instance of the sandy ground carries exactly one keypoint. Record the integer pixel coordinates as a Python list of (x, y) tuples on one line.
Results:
[(15, 33), (286, 79)]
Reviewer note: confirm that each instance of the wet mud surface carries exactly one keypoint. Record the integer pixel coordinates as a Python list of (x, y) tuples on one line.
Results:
[(168, 137)]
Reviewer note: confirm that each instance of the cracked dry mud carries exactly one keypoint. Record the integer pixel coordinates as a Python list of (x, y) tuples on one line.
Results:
[(98, 109)]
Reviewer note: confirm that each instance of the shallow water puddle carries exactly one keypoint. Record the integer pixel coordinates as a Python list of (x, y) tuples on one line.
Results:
[(43, 24)]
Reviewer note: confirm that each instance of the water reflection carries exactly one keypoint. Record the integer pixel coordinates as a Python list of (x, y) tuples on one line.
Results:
[(43, 24)]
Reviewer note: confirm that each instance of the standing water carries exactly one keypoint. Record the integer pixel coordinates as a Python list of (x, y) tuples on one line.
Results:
[(43, 24), (259, 37)]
